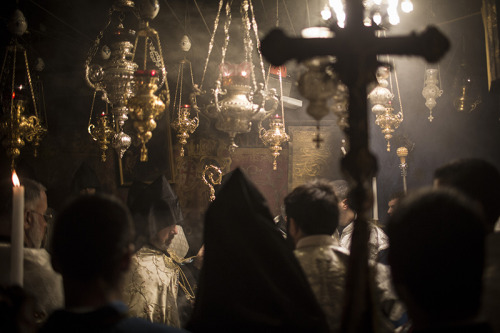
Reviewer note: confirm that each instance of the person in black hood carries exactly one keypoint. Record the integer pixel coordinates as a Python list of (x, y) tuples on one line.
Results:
[(250, 279)]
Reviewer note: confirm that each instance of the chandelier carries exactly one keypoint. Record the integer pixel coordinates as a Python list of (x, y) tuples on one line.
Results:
[(382, 13), (20, 120), (184, 125), (113, 74), (237, 99)]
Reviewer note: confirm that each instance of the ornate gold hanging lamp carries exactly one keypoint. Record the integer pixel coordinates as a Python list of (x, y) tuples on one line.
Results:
[(112, 74), (381, 99), (20, 121), (184, 125), (237, 99), (145, 107), (102, 132), (276, 135)]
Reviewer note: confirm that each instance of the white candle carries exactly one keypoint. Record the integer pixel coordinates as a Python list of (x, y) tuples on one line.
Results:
[(375, 199), (17, 233)]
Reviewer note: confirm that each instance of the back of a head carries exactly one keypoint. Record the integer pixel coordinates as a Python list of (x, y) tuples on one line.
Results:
[(91, 235), (341, 188), (478, 179), (32, 192), (437, 252), (314, 207)]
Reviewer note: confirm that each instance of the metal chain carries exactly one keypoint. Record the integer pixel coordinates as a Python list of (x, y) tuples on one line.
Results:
[(12, 89), (211, 44), (247, 40), (92, 109), (95, 46), (177, 90), (255, 29), (226, 31), (31, 85)]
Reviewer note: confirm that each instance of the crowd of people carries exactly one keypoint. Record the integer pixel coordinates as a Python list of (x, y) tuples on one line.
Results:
[(107, 266)]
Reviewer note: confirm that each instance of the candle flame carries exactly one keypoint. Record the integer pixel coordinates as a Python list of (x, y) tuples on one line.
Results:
[(15, 179)]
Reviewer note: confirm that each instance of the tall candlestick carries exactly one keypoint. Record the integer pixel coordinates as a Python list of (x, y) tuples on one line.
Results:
[(17, 234), (375, 199)]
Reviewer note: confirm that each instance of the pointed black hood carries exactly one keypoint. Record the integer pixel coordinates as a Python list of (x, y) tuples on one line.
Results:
[(157, 199), (250, 280)]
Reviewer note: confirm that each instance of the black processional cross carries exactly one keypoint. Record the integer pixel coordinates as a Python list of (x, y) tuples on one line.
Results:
[(356, 48)]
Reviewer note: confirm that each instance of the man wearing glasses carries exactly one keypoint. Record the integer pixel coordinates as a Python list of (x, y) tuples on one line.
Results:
[(40, 280)]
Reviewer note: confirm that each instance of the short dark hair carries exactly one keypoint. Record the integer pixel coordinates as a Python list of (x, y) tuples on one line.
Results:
[(91, 234), (341, 188), (397, 195), (314, 207), (478, 179), (437, 242)]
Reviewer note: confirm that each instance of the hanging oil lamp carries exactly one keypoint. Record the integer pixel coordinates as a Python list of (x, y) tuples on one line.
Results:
[(276, 135), (102, 133), (20, 121), (237, 99), (389, 122), (113, 73), (145, 108), (184, 125), (431, 90), (381, 100)]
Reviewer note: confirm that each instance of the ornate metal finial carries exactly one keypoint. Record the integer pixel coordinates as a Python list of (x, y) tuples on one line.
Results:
[(212, 175), (402, 153)]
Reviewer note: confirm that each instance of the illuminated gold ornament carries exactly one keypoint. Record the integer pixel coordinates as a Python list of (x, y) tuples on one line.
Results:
[(381, 100), (237, 99), (20, 120), (274, 137), (402, 153), (389, 122), (183, 124), (145, 108), (102, 133), (112, 73), (211, 176)]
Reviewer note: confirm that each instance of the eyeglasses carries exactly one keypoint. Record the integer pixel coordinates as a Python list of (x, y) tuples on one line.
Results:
[(47, 217)]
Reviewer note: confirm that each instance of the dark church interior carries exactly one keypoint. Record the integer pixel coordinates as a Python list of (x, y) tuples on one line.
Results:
[(384, 122)]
